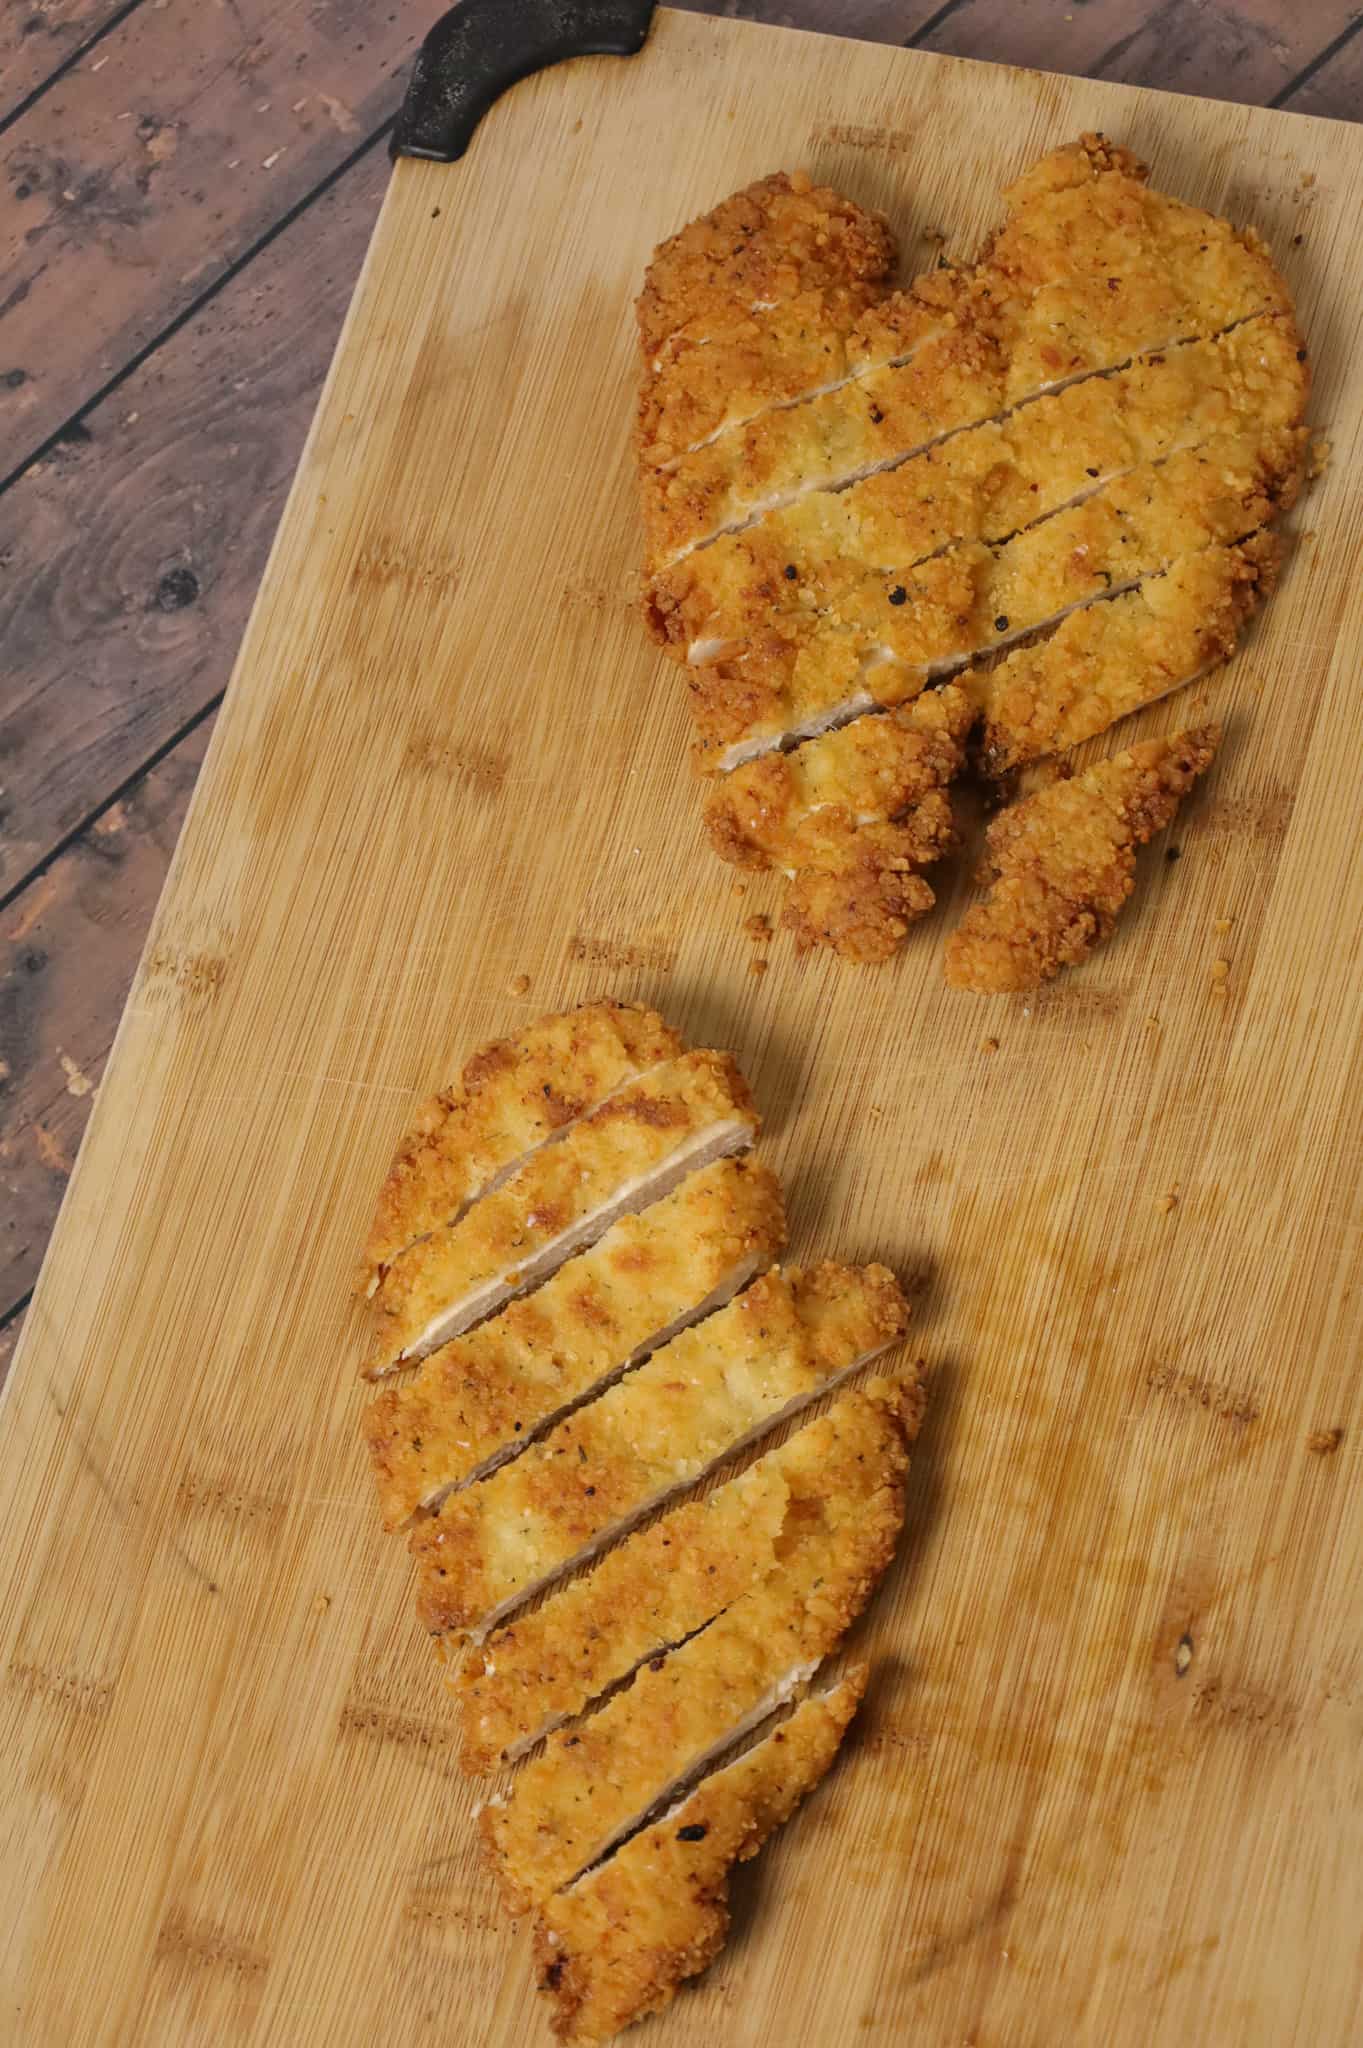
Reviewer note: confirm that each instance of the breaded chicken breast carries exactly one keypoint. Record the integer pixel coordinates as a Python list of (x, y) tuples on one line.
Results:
[(477, 1401), (632, 1149), (596, 1781), (512, 1097), (754, 305), (617, 1945), (891, 638), (984, 484), (1105, 662), (1089, 268), (1064, 863), (704, 1395)]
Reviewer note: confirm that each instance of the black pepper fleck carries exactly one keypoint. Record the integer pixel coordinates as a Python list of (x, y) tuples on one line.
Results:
[(1001, 623), (1090, 472), (1301, 355), (177, 588), (899, 595), (695, 1833), (1172, 852), (791, 572)]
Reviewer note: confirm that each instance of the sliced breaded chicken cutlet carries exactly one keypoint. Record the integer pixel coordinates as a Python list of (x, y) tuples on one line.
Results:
[(634, 1147), (478, 1400), (1064, 862), (597, 1781), (618, 1944), (512, 1097), (709, 1392), (1056, 436)]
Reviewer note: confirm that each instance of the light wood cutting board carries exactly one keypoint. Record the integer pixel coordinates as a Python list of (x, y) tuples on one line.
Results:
[(1107, 1785)]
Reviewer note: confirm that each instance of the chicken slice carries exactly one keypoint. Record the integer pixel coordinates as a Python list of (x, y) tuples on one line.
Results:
[(1090, 268), (1109, 660), (885, 643), (657, 1588), (475, 1402), (980, 485), (752, 305), (769, 813), (618, 1944), (510, 1099), (1064, 863), (630, 1151), (708, 1393), (595, 1783)]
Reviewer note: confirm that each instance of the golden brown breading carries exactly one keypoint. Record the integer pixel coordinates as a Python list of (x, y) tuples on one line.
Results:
[(983, 484), (861, 902), (972, 599), (618, 1944), (512, 1096), (594, 1782), (629, 1151), (1089, 268), (751, 306), (710, 1390), (649, 1277), (658, 1586), (1111, 659), (767, 813), (1064, 864)]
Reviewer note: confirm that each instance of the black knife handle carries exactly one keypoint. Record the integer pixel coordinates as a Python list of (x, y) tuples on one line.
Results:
[(481, 47)]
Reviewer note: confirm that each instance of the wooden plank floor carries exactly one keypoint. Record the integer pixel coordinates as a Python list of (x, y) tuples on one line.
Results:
[(186, 192)]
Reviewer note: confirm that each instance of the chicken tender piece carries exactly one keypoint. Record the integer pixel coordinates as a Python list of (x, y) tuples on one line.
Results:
[(476, 1402), (803, 678), (1104, 663), (594, 1783), (618, 1944), (1065, 861), (630, 1151), (980, 485), (753, 305), (512, 1097), (706, 1394), (1090, 268)]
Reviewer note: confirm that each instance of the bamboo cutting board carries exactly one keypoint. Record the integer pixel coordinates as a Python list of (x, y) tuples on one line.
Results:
[(1106, 1786)]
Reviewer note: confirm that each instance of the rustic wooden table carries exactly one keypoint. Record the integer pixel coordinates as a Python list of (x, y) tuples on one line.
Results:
[(188, 191)]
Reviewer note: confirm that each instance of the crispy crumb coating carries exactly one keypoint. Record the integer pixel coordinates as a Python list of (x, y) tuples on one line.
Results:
[(658, 1586), (594, 1781), (767, 813), (752, 305), (710, 1389), (1089, 268), (646, 1278), (616, 1158), (617, 1945), (983, 484), (1064, 863), (512, 1096), (1112, 659), (973, 599)]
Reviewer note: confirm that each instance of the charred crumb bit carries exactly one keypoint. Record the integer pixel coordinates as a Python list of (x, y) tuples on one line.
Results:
[(1173, 853), (1183, 1655), (1324, 1441), (1297, 241), (899, 595), (435, 213), (519, 985), (696, 1832)]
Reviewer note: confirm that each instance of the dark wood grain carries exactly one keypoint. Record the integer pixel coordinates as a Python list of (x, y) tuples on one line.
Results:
[(129, 557), (134, 187), (68, 948), (132, 551), (39, 37)]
